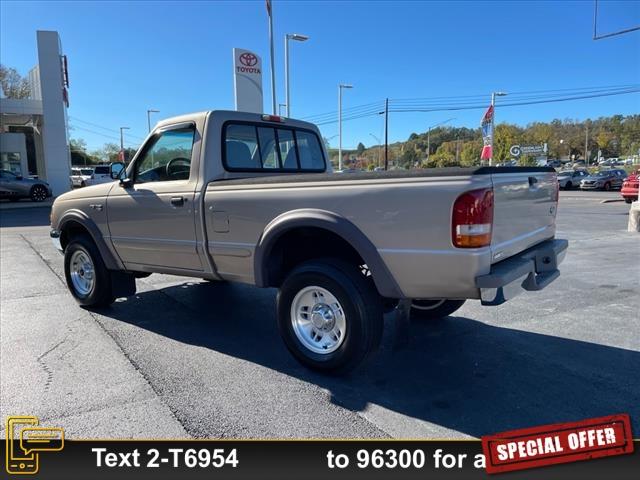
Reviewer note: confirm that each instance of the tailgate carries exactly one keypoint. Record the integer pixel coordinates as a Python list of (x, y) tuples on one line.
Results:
[(525, 204)]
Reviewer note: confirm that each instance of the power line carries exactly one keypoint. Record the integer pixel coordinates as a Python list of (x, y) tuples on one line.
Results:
[(103, 127), (532, 100), (132, 145)]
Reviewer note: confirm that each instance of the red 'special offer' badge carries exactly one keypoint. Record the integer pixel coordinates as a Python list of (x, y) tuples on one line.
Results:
[(558, 443)]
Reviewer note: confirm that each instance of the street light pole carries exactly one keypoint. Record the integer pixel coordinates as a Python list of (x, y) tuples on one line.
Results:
[(122, 141), (429, 135), (149, 112), (379, 148), (493, 118), (289, 36), (340, 87)]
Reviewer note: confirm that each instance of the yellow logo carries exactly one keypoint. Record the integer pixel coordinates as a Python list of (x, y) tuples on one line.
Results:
[(25, 440)]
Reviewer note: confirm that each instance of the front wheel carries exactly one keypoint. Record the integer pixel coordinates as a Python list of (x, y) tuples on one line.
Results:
[(434, 309), (568, 186), (607, 186), (329, 315), (87, 277), (628, 199)]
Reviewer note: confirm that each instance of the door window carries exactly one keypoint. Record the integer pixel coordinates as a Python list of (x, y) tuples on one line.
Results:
[(168, 158)]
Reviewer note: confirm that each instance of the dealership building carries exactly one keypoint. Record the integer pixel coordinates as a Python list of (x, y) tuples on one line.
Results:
[(34, 138)]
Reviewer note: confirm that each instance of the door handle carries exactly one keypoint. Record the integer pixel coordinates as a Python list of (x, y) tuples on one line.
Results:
[(177, 201)]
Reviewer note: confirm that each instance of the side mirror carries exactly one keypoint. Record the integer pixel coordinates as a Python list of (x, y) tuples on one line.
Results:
[(116, 169)]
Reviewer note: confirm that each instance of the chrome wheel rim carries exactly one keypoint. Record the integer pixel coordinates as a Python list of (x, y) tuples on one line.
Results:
[(318, 320), (427, 304), (82, 273)]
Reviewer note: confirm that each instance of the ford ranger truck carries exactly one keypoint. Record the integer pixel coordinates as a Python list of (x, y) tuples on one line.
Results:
[(243, 197)]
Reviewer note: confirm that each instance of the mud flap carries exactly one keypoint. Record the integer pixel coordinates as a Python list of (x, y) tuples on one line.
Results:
[(402, 324), (123, 284)]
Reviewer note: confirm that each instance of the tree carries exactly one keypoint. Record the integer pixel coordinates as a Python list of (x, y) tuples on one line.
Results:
[(13, 85), (360, 148)]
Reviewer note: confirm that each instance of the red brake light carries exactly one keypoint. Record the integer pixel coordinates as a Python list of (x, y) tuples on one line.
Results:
[(472, 219), (273, 118)]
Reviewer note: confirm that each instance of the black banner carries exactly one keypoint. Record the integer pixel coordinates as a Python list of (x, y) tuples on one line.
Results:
[(293, 459)]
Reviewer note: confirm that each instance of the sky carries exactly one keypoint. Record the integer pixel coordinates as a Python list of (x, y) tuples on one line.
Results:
[(176, 57)]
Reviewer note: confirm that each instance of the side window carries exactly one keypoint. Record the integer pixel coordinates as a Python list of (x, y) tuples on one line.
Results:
[(268, 149), (311, 157), (241, 147), (169, 157), (288, 149)]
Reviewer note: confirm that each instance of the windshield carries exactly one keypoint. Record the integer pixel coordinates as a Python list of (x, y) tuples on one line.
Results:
[(86, 171)]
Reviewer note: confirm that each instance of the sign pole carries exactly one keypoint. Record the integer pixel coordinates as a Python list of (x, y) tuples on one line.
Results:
[(273, 71), (386, 134)]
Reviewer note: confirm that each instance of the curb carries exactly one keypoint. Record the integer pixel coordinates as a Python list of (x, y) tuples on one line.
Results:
[(612, 200)]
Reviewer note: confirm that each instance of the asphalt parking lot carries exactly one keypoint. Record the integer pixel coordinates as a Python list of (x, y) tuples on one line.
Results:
[(185, 358)]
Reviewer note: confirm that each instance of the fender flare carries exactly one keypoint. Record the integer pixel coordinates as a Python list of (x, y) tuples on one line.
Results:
[(382, 277), (78, 216)]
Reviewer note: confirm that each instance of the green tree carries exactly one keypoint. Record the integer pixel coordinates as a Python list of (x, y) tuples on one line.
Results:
[(13, 85), (360, 148)]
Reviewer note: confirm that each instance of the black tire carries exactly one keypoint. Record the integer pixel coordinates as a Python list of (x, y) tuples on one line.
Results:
[(360, 302), (82, 184), (38, 193), (434, 309), (101, 294), (607, 186), (628, 199), (568, 186)]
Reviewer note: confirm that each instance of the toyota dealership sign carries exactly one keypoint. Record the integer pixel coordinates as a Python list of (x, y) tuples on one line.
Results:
[(247, 81)]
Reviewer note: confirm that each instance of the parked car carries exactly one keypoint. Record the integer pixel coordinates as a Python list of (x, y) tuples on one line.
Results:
[(571, 178), (554, 163), (244, 197), (101, 174), (81, 177), (14, 187), (629, 190), (603, 180)]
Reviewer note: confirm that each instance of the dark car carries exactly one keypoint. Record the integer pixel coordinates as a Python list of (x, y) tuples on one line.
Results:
[(604, 180), (14, 187)]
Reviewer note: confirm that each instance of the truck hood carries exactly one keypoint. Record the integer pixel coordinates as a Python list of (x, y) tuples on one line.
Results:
[(100, 190)]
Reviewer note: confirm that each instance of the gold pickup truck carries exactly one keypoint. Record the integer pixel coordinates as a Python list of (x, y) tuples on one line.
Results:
[(242, 197)]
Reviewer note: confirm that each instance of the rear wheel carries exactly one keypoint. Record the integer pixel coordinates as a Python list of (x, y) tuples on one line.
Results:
[(38, 193), (628, 199), (329, 315), (87, 277), (568, 186), (434, 309)]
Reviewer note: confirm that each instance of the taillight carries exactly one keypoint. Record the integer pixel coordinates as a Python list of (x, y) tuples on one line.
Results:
[(472, 219), (556, 193), (273, 118)]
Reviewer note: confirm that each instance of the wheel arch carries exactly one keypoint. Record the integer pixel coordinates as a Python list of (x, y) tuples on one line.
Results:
[(76, 222), (330, 226)]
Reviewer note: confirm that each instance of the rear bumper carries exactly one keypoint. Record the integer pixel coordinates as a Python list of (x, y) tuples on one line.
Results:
[(530, 270)]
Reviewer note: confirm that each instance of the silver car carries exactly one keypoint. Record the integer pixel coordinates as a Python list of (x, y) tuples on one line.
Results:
[(571, 178), (14, 187)]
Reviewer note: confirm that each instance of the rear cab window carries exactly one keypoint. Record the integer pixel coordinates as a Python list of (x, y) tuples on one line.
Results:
[(261, 147)]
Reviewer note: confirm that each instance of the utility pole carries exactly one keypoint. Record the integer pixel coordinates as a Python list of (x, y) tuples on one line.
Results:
[(586, 146), (386, 134), (340, 87), (493, 118)]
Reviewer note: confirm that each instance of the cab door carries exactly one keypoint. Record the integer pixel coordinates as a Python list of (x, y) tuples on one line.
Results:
[(151, 214)]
